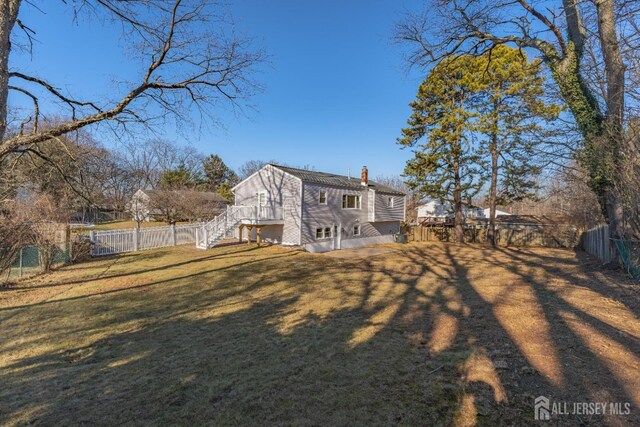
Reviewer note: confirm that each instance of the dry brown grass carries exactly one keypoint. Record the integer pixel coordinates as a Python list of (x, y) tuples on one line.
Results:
[(424, 334)]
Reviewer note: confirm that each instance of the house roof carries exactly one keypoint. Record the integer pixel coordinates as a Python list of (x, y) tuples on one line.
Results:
[(333, 180)]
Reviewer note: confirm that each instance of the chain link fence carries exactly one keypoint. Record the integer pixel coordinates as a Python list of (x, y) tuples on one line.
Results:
[(629, 251), (28, 262)]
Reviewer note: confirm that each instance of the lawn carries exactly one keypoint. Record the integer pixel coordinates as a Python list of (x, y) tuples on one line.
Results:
[(420, 334)]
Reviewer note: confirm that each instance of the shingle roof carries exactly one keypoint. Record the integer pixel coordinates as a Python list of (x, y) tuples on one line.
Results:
[(333, 180)]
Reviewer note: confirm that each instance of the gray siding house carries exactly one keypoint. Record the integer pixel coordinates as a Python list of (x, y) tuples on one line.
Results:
[(320, 211)]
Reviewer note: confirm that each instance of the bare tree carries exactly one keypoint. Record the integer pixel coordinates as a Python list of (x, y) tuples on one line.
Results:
[(15, 233), (175, 205), (46, 218), (559, 33), (147, 161), (397, 183), (194, 60), (250, 166)]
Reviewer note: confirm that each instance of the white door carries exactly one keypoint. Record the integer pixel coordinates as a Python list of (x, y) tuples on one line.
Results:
[(337, 236)]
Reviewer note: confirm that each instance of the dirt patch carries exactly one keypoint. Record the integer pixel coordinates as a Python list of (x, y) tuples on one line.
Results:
[(366, 252)]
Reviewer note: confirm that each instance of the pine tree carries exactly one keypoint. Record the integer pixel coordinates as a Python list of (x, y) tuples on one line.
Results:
[(511, 116), (446, 163), (218, 176), (178, 178)]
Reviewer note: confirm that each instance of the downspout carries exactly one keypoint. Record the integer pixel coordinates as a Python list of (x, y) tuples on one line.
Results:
[(373, 207), (301, 210)]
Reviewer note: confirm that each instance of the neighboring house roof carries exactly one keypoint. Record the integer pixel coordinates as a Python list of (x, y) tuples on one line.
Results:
[(535, 220), (333, 180), (203, 195)]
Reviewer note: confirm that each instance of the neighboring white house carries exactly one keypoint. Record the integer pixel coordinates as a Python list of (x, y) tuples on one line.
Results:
[(141, 204), (485, 212), (434, 210), (319, 211), (439, 212)]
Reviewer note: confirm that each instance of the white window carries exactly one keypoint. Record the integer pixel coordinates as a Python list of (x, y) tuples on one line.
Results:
[(350, 201), (389, 202), (356, 230), (323, 233), (262, 198), (323, 198)]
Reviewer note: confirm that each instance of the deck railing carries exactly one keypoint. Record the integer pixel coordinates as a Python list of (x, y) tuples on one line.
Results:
[(256, 213)]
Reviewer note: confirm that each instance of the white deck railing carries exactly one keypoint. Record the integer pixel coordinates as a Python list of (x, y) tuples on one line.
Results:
[(256, 213), (222, 225)]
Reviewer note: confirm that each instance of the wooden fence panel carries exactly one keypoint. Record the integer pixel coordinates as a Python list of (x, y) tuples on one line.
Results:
[(517, 235), (596, 242)]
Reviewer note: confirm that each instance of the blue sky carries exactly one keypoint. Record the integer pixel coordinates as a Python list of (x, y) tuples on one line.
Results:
[(336, 92)]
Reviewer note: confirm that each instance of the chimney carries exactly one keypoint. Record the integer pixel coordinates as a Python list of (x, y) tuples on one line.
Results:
[(365, 176)]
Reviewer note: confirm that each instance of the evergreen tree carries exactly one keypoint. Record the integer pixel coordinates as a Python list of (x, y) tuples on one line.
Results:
[(218, 176), (511, 114), (177, 178), (446, 163)]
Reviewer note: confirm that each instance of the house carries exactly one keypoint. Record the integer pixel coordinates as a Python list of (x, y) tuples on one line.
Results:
[(319, 211), (436, 212), (485, 212), (147, 205)]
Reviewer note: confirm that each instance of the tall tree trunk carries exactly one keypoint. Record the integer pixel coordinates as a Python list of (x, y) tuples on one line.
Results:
[(493, 192), (493, 187), (8, 15), (613, 133), (603, 133), (457, 201)]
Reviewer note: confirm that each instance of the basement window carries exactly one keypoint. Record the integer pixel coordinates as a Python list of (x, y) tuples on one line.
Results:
[(323, 233), (350, 201)]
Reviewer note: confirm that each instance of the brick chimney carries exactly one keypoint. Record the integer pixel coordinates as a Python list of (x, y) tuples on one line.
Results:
[(365, 176)]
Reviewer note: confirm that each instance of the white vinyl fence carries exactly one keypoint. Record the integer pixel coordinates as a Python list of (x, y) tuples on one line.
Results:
[(109, 242), (597, 243)]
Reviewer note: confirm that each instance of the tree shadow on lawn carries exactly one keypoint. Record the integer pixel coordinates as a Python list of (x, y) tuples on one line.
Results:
[(572, 328), (148, 261), (432, 335)]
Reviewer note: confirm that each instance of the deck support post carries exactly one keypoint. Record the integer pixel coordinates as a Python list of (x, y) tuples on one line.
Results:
[(249, 230), (258, 235)]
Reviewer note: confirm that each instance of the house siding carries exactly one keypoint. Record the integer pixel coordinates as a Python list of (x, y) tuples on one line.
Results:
[(332, 214), (282, 190), (385, 213), (316, 215)]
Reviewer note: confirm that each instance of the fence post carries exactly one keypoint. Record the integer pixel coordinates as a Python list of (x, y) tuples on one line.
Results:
[(92, 239), (20, 264), (136, 239), (174, 238), (206, 237)]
